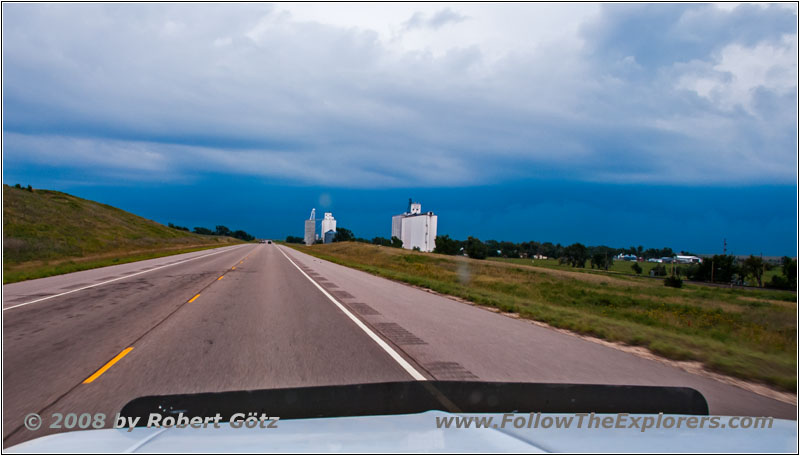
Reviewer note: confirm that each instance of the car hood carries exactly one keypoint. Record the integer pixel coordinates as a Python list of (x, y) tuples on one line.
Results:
[(416, 433)]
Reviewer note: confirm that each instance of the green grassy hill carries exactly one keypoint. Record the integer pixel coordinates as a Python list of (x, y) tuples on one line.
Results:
[(47, 233)]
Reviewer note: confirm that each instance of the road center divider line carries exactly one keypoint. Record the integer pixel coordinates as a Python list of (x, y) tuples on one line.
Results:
[(119, 278), (113, 361), (381, 343), (127, 350), (108, 365)]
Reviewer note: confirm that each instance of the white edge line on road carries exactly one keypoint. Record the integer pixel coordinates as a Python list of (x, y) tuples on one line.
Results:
[(395, 356), (112, 280)]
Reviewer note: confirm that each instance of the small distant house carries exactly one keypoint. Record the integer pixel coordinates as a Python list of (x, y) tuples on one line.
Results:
[(688, 259)]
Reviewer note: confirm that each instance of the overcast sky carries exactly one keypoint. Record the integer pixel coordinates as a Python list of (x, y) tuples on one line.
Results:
[(401, 96)]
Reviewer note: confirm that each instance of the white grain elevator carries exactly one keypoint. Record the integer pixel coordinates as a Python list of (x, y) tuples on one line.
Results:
[(415, 228)]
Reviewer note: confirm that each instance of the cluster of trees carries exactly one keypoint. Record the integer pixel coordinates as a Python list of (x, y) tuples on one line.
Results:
[(28, 188), (788, 279), (727, 269), (220, 230), (182, 228), (393, 242), (345, 235), (472, 247), (575, 255)]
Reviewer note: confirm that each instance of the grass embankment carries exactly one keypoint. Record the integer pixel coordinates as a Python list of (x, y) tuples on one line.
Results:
[(48, 233), (750, 334)]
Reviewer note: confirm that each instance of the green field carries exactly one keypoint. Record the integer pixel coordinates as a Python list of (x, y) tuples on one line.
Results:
[(750, 334), (618, 267), (47, 233)]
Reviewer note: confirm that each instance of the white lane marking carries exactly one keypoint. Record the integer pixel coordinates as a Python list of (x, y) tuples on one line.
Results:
[(395, 356), (114, 280)]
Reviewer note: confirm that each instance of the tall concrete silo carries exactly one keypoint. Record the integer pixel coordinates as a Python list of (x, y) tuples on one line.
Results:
[(310, 233)]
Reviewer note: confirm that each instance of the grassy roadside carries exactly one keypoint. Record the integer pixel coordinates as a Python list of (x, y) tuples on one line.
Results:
[(39, 269), (750, 334), (47, 233)]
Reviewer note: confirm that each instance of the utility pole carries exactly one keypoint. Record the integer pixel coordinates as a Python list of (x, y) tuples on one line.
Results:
[(724, 246), (712, 270)]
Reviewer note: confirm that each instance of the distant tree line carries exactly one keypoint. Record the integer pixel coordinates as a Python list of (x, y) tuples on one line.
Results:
[(220, 230), (727, 269), (575, 255)]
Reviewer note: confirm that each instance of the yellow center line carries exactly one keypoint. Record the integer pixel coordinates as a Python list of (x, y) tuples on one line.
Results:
[(233, 267), (108, 365), (220, 277), (195, 297)]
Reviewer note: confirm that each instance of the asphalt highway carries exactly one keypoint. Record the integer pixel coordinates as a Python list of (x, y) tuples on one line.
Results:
[(264, 316)]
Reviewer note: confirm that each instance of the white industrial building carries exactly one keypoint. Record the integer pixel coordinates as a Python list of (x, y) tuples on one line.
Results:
[(415, 229), (328, 226), (688, 259)]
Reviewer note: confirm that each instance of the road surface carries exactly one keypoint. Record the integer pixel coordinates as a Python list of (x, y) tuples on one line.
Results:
[(265, 316)]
